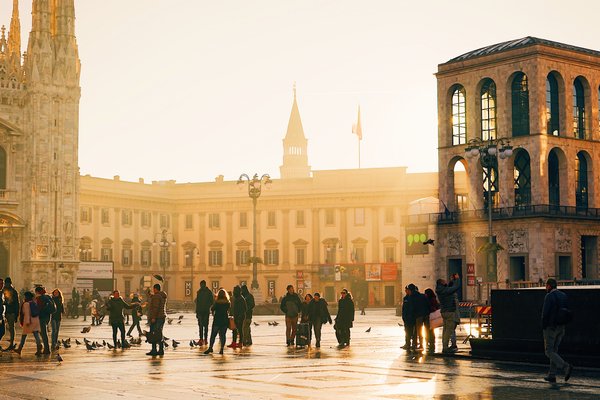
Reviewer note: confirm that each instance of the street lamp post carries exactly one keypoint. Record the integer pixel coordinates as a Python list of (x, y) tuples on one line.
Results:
[(489, 151), (194, 252), (254, 190), (164, 242)]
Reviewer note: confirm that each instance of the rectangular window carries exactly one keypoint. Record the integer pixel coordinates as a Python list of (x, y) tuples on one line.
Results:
[(358, 255), (215, 258), (214, 221), (242, 257), (126, 257), (462, 203), (189, 257), (243, 220), (189, 221), (86, 214), (146, 257), (127, 283), (105, 216), (359, 216), (165, 221), (271, 219), (271, 257), (300, 253), (330, 217), (126, 217), (330, 254), (165, 258), (300, 218), (389, 253), (389, 215), (106, 254), (146, 219)]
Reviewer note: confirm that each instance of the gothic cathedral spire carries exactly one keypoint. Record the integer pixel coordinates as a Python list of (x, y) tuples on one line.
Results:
[(295, 155), (14, 41)]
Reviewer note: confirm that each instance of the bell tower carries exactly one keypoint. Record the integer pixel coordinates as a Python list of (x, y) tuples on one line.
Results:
[(295, 155)]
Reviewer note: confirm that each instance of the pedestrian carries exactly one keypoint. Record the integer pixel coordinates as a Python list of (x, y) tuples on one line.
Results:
[(220, 312), (56, 319), (434, 305), (304, 318), (136, 314), (363, 305), (421, 309), (2, 324), (555, 315), (291, 306), (30, 322), (11, 310), (250, 304), (74, 303), (85, 302), (447, 301), (409, 320), (47, 308), (344, 318), (304, 329), (239, 315), (115, 306), (318, 314), (204, 301), (157, 313)]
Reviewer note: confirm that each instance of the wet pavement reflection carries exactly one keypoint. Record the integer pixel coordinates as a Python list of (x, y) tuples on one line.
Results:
[(373, 367)]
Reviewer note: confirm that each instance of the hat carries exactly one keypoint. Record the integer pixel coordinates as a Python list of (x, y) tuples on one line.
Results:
[(411, 287)]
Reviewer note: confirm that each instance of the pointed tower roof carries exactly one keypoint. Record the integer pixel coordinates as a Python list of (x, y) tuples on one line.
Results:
[(295, 130)]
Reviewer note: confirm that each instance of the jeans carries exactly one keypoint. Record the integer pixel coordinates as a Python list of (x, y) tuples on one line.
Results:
[(121, 327), (247, 332), (203, 325), (55, 324), (317, 328), (420, 322), (409, 332), (553, 335), (44, 332), (239, 327), (449, 326), (222, 331), (10, 320), (430, 336), (290, 328), (36, 335), (157, 325), (136, 324)]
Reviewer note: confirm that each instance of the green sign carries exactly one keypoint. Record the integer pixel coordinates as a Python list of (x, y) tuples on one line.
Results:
[(415, 237)]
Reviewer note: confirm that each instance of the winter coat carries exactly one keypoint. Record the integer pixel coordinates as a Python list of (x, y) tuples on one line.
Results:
[(434, 304), (60, 309), (11, 300), (553, 301), (250, 303), (28, 323), (421, 304), (239, 307), (158, 306), (136, 308), (291, 305), (318, 312), (115, 309), (204, 301), (43, 304), (220, 310), (446, 296), (408, 310), (345, 315)]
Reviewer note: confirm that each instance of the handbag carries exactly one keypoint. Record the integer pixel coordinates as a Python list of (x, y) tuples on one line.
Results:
[(435, 319), (154, 337), (232, 323)]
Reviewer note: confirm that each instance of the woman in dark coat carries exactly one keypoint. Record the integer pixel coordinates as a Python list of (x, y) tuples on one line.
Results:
[(433, 306), (220, 312), (344, 318), (239, 315)]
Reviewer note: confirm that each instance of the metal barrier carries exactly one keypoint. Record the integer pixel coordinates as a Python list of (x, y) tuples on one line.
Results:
[(484, 320)]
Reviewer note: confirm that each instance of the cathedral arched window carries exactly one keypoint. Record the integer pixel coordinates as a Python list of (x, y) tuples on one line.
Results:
[(520, 105), (552, 110), (488, 110), (581, 179), (578, 109), (3, 168), (459, 116), (522, 176), (553, 179), (493, 184)]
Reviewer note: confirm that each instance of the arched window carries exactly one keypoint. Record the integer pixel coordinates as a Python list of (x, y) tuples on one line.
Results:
[(552, 111), (520, 105), (488, 110), (493, 186), (522, 176), (459, 116), (2, 169), (578, 109), (581, 179), (553, 180)]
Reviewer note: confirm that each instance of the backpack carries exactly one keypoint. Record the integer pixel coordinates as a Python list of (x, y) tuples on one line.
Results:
[(49, 305), (34, 309)]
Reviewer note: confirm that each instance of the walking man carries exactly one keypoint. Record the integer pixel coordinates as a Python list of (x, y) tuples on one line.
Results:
[(250, 304), (318, 314), (344, 318), (291, 306), (555, 315), (157, 313), (47, 308), (11, 310), (115, 306), (445, 294), (204, 301)]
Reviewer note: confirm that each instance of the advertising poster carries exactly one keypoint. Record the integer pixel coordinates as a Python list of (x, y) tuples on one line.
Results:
[(373, 272)]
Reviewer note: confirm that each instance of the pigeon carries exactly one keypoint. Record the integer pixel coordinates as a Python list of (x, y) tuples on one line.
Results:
[(104, 343), (175, 343), (368, 330), (77, 342), (68, 340), (400, 325), (181, 317), (275, 323), (429, 241), (197, 343), (86, 329), (270, 323), (256, 324), (191, 343), (169, 321), (166, 338), (66, 344), (89, 346), (179, 322), (59, 358), (165, 343), (110, 346)]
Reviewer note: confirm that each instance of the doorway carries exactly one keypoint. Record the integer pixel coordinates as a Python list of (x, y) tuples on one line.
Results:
[(589, 257), (330, 294), (564, 268), (518, 269), (455, 266), (390, 295)]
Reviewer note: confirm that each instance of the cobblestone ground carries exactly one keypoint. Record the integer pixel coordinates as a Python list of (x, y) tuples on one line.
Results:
[(373, 367)]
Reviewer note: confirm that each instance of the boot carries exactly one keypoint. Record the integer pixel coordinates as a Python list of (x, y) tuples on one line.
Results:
[(17, 350), (209, 350), (39, 350)]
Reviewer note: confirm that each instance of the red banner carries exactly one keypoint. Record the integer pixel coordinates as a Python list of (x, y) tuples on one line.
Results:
[(389, 272)]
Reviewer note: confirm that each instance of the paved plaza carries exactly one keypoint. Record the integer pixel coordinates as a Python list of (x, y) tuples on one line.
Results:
[(373, 367)]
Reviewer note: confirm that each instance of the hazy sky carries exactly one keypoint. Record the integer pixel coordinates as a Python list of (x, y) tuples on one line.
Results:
[(191, 89)]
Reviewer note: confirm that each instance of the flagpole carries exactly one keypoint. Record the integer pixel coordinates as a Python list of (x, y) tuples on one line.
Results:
[(358, 152)]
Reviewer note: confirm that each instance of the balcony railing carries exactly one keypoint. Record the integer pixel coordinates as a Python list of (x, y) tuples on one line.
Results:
[(501, 213), (8, 196)]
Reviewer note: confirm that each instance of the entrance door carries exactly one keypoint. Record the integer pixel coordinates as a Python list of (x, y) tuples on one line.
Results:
[(455, 266), (589, 257), (389, 296), (564, 272), (330, 294), (4, 262), (517, 269)]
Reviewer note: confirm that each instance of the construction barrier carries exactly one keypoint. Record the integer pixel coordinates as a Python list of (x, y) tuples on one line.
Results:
[(484, 320)]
